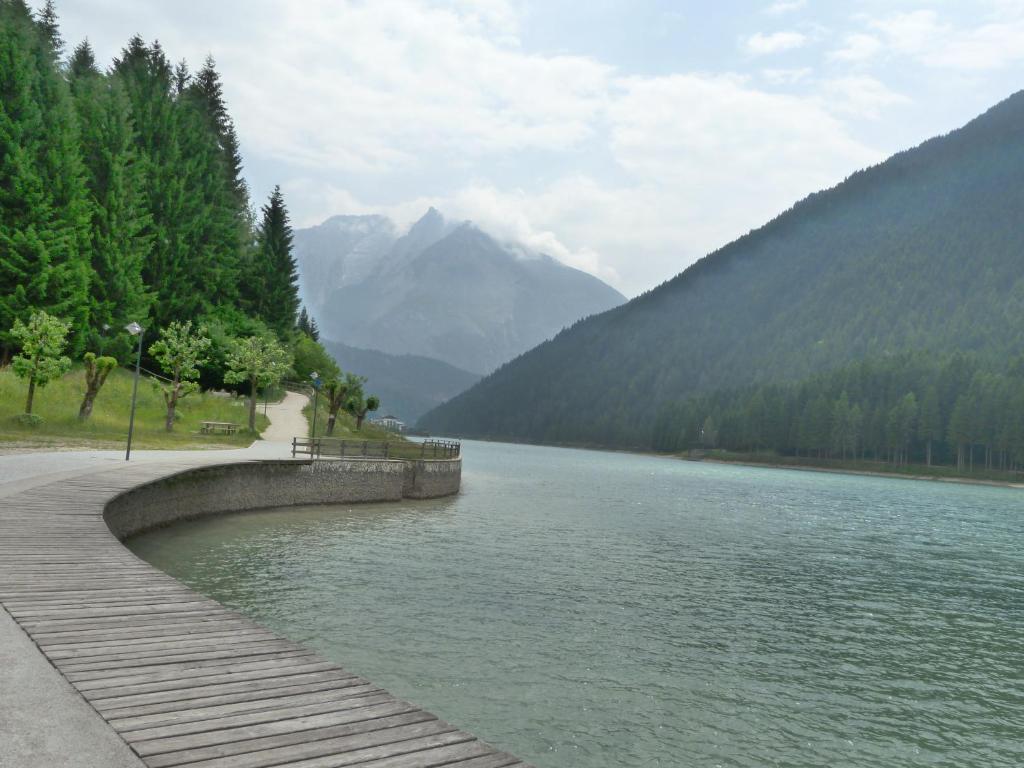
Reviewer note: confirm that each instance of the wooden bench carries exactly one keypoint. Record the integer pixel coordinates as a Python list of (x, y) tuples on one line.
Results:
[(214, 427)]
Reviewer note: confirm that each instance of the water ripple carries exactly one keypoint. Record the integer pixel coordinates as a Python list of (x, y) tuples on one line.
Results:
[(589, 609)]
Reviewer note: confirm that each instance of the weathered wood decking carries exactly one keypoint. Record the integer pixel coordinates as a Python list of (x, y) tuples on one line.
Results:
[(182, 679)]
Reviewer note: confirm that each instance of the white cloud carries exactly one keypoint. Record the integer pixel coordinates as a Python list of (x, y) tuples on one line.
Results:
[(857, 47), (395, 105), (759, 44), (912, 32), (785, 6), (786, 76), (409, 80), (922, 35), (860, 96)]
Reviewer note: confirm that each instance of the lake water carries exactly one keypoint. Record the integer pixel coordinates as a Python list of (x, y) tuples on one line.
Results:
[(597, 609)]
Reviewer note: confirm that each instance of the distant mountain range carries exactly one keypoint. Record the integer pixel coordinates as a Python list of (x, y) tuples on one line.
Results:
[(408, 385), (442, 290), (924, 252)]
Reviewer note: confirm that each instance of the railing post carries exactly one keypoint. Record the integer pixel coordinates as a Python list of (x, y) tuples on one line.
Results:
[(364, 447), (295, 442), (385, 450)]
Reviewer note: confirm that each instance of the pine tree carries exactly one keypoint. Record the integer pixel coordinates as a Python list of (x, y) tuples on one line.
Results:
[(193, 265), (50, 27), (277, 303), (119, 238), (930, 424), (209, 94), (44, 221)]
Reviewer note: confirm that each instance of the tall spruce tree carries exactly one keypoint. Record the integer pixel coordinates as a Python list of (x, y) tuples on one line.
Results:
[(43, 208), (276, 275), (208, 93), (119, 232), (50, 27), (193, 264)]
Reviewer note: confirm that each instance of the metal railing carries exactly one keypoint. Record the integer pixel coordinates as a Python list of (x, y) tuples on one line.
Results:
[(340, 448)]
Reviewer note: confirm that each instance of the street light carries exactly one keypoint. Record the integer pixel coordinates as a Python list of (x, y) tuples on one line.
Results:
[(135, 330), (316, 397)]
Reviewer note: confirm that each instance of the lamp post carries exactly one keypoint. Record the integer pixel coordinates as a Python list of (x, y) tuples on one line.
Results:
[(103, 337), (135, 330), (316, 398)]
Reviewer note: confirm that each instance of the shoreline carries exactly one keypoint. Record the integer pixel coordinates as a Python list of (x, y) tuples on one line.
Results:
[(862, 472), (766, 464)]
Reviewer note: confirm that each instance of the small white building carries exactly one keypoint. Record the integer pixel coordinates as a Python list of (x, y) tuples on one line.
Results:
[(391, 423)]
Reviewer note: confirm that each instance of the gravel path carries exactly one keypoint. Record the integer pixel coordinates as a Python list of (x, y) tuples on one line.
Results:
[(286, 419)]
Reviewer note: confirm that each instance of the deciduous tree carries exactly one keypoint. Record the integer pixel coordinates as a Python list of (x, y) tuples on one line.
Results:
[(42, 341), (180, 352), (97, 369), (259, 361)]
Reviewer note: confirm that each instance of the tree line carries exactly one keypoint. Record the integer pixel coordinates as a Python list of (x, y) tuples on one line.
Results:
[(920, 253), (122, 200), (955, 409)]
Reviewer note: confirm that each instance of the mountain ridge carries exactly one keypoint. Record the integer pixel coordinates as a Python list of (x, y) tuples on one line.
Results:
[(830, 280), (443, 289)]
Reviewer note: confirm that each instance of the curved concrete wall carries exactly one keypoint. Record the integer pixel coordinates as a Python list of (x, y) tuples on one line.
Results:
[(260, 484), (431, 479)]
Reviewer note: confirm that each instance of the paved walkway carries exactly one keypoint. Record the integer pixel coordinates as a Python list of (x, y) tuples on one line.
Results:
[(44, 721), (286, 419), (180, 678)]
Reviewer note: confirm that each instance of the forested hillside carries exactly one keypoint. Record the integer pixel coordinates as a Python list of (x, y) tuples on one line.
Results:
[(121, 191), (122, 200), (408, 385), (923, 253)]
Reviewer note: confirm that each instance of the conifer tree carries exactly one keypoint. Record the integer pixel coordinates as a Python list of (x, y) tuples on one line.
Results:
[(193, 266), (50, 27), (930, 423), (276, 275), (119, 222), (209, 95), (44, 222)]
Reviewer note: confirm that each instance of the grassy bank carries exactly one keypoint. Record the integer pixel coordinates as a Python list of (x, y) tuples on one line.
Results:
[(345, 429), (58, 403), (346, 425), (867, 467)]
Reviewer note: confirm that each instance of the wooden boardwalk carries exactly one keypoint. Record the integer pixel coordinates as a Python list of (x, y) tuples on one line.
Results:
[(182, 679)]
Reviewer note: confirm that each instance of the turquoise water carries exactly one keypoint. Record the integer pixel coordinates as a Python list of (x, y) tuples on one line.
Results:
[(597, 609)]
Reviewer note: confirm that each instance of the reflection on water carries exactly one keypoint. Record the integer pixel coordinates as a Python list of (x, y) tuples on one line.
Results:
[(595, 609)]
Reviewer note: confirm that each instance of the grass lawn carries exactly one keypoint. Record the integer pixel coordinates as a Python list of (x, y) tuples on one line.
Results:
[(58, 402), (345, 427)]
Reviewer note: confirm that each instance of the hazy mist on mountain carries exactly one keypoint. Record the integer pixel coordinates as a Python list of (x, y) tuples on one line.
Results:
[(443, 290)]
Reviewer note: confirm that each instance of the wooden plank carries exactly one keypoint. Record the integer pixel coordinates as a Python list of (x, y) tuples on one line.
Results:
[(345, 750), (290, 739), (183, 679), (132, 722), (371, 713)]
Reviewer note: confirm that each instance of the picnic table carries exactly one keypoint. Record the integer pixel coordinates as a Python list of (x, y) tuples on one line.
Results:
[(213, 427)]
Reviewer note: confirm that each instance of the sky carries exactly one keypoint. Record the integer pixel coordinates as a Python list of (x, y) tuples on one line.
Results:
[(625, 138)]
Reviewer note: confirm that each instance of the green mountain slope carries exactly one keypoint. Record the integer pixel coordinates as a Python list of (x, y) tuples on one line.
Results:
[(408, 385), (922, 252)]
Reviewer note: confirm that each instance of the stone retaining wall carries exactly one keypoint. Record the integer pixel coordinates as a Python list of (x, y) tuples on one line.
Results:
[(261, 484), (431, 479)]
